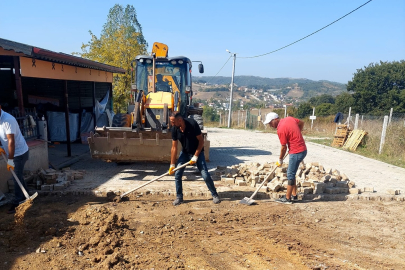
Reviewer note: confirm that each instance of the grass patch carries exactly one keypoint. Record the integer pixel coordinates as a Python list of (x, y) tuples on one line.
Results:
[(324, 141)]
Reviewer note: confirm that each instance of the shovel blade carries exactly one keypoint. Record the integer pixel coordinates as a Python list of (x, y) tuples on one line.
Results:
[(247, 201), (30, 198)]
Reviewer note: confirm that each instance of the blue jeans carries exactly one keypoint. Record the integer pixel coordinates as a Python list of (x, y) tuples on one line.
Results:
[(19, 162), (294, 163), (202, 167)]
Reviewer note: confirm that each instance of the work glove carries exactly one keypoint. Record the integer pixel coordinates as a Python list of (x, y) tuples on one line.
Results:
[(2, 151), (279, 163), (10, 164), (193, 160), (172, 166)]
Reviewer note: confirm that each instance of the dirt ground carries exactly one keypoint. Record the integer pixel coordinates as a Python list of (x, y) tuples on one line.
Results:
[(147, 232)]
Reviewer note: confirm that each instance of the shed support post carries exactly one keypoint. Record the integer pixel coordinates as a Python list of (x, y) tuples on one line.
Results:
[(111, 98), (18, 86), (94, 104), (69, 146)]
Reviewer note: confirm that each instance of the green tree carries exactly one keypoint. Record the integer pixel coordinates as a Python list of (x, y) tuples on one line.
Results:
[(292, 111), (120, 41), (318, 100), (379, 87), (304, 110), (343, 102), (236, 105), (325, 109), (280, 112), (254, 104), (210, 114)]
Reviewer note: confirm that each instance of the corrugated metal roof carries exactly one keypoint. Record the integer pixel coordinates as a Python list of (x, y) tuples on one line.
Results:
[(47, 55), (15, 46)]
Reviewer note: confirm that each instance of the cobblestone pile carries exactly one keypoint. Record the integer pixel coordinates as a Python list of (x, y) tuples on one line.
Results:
[(311, 178), (50, 179)]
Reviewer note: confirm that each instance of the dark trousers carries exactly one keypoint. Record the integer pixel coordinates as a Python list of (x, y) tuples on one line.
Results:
[(202, 167), (19, 162)]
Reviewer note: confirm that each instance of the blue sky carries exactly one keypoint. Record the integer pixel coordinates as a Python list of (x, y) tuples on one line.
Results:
[(203, 30)]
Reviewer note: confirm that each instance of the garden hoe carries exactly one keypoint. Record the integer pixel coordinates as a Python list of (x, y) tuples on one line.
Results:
[(119, 198), (250, 201), (27, 196)]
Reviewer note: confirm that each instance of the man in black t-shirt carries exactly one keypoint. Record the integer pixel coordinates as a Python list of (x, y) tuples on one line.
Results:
[(189, 134)]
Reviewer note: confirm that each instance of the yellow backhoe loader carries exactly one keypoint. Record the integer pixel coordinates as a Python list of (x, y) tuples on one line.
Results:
[(161, 85)]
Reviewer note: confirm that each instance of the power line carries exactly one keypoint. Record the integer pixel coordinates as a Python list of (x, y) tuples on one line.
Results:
[(309, 34), (219, 70)]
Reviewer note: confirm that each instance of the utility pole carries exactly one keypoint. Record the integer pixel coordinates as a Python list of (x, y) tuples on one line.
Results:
[(231, 97)]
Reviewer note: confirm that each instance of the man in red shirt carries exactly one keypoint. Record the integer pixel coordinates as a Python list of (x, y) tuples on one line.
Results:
[(289, 132)]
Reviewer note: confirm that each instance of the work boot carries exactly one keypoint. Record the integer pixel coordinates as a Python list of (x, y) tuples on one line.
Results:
[(284, 200), (177, 201), (216, 199)]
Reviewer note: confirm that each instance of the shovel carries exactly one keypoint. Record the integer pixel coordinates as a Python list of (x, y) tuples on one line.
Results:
[(27, 196), (250, 201), (119, 198)]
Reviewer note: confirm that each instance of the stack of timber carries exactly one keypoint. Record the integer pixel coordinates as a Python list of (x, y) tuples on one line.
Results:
[(341, 134)]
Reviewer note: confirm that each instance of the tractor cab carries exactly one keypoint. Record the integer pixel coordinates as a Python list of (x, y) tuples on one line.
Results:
[(160, 85)]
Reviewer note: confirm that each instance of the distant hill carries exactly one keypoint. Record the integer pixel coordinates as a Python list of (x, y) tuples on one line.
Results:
[(309, 88)]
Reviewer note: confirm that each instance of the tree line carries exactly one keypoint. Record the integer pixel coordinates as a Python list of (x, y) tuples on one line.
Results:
[(374, 90)]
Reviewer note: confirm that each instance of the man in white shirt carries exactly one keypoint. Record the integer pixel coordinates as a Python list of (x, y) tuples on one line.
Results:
[(15, 149)]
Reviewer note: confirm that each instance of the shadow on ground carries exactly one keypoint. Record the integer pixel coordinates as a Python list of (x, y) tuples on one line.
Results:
[(233, 155)]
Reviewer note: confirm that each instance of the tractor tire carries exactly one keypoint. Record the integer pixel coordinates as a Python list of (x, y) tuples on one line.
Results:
[(195, 111), (122, 120), (199, 119)]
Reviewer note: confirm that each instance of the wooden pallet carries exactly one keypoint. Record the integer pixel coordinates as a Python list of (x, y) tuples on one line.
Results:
[(340, 135), (354, 139)]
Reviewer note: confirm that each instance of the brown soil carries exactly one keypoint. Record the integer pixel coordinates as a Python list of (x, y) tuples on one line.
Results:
[(149, 233), (19, 226)]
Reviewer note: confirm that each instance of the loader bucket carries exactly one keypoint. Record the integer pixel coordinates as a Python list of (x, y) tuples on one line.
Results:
[(125, 145)]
